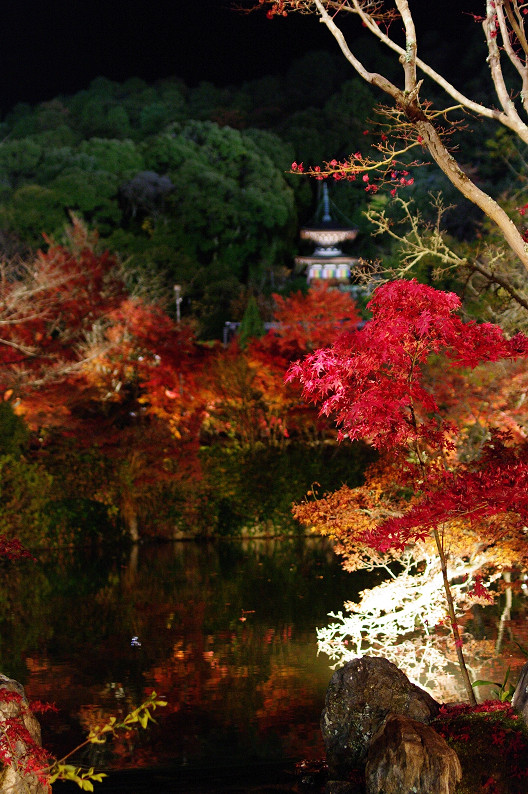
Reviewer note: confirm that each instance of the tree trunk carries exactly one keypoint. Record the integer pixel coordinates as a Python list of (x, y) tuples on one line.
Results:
[(454, 625)]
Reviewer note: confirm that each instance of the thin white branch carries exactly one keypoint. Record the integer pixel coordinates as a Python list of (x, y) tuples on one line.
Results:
[(373, 78), (508, 120)]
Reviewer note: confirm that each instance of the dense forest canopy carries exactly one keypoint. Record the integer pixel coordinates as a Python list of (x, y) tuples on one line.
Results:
[(191, 185)]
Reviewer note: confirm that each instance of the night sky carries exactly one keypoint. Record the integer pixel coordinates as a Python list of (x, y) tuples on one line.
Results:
[(59, 46)]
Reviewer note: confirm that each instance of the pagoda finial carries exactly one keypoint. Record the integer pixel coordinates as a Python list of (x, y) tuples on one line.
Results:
[(326, 204)]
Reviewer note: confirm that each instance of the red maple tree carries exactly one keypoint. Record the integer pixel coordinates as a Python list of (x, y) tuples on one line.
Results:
[(372, 382), (304, 322)]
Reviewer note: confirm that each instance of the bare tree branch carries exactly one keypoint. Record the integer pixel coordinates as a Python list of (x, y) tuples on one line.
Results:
[(410, 111)]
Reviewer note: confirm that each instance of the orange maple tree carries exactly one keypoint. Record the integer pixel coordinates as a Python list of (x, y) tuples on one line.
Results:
[(304, 322), (48, 308), (251, 381)]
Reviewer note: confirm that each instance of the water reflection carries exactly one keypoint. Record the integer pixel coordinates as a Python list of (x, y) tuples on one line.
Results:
[(225, 631)]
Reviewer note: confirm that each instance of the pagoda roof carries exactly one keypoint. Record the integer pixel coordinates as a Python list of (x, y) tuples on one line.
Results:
[(328, 233), (322, 260)]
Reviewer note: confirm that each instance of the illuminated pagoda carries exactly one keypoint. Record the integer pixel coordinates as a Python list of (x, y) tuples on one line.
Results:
[(328, 261)]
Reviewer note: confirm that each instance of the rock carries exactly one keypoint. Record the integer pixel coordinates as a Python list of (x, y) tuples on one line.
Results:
[(520, 696), (406, 755), (11, 780), (359, 697)]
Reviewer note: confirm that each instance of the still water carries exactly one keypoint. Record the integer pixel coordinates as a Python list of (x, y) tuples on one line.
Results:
[(224, 631)]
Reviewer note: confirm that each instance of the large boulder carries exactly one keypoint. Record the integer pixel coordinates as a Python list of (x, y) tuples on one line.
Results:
[(359, 697), (406, 755), (14, 709)]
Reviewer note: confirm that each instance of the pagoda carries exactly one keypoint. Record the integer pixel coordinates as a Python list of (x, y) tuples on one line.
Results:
[(327, 262)]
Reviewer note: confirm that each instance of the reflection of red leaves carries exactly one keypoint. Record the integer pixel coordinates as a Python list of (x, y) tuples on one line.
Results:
[(479, 591), (41, 708)]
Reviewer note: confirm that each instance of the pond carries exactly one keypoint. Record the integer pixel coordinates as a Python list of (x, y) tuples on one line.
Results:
[(224, 631)]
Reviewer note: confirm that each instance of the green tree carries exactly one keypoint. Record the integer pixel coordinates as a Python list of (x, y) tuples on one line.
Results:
[(14, 433), (230, 218), (93, 195), (19, 160), (154, 117), (32, 211), (25, 490), (118, 157), (21, 120), (252, 326)]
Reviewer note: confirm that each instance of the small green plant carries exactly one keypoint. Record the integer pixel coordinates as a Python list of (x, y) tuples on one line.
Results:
[(20, 751), (521, 648), (85, 778), (503, 692)]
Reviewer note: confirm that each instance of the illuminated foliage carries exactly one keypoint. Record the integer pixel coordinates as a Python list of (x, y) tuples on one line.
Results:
[(372, 382), (248, 399), (48, 306), (307, 321)]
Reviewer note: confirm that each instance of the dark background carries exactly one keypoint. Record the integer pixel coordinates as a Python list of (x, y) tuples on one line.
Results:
[(59, 46)]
